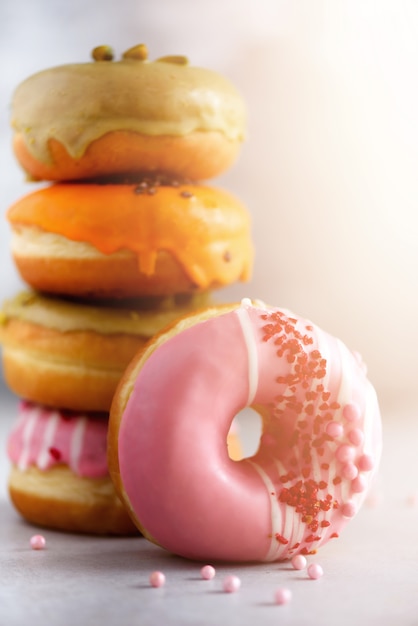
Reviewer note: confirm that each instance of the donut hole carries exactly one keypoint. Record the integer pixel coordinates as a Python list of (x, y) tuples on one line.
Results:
[(246, 431)]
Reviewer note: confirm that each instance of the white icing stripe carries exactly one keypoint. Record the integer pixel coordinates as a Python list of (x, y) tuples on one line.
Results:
[(281, 470), (291, 526), (345, 392), (43, 456), (77, 443), (251, 346), (371, 403), (276, 514), (345, 395), (22, 463)]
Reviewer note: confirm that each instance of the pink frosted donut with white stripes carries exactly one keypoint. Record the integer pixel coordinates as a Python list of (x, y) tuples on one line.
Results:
[(44, 437), (319, 450), (59, 476)]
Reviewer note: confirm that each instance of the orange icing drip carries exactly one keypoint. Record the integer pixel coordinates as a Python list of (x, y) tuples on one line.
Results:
[(206, 229)]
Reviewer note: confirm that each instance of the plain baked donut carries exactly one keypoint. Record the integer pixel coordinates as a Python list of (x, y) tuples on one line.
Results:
[(130, 240), (97, 119), (319, 449), (59, 476), (71, 354)]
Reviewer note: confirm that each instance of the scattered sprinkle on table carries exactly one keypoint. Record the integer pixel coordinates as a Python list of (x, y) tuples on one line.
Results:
[(37, 542), (315, 571), (207, 572), (157, 579), (299, 561), (283, 596), (231, 584)]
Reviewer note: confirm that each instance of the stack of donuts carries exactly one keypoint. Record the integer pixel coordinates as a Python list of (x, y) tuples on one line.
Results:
[(120, 239)]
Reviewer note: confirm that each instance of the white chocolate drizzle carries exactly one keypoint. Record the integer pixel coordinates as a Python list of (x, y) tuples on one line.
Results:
[(44, 456), (247, 331), (77, 443), (276, 514), (28, 430)]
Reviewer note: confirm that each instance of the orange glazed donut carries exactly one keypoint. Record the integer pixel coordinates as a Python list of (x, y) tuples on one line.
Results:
[(59, 477), (318, 453), (122, 241), (72, 355), (96, 119)]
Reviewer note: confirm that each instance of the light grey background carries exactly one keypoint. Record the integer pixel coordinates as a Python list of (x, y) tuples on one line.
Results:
[(329, 168)]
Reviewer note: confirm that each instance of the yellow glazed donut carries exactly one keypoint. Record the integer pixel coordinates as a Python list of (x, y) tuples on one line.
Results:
[(97, 119), (70, 354)]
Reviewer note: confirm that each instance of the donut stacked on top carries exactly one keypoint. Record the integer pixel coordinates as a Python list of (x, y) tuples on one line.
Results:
[(123, 240)]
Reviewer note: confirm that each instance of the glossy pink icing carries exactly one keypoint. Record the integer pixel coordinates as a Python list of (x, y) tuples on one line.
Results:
[(304, 483), (45, 437)]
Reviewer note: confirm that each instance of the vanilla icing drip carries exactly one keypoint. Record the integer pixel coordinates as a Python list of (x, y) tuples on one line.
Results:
[(76, 104)]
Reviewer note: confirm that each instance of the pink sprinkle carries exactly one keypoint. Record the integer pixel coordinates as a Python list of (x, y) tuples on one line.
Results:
[(348, 509), (231, 584), (334, 429), (351, 412), (299, 561), (359, 484), (37, 542), (157, 579), (283, 596), (267, 440), (345, 453), (349, 471), (207, 572), (315, 571), (365, 463), (356, 436)]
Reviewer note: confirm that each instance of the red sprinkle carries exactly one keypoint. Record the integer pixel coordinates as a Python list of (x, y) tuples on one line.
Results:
[(55, 453)]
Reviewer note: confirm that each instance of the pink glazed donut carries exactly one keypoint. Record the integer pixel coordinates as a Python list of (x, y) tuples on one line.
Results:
[(319, 450)]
